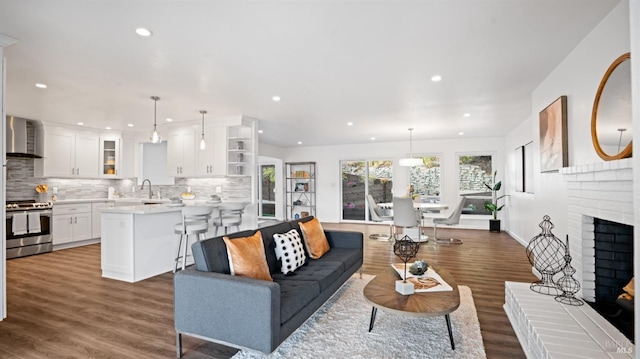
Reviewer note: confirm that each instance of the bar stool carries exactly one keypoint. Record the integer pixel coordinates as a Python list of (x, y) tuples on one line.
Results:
[(231, 215), (195, 220), (216, 219)]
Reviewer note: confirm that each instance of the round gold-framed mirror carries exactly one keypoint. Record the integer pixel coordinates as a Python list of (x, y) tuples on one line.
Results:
[(611, 123)]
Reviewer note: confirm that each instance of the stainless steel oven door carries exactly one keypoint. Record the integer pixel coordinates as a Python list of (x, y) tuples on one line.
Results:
[(20, 245)]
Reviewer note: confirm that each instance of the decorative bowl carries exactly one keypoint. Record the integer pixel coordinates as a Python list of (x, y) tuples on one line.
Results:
[(187, 195), (419, 267)]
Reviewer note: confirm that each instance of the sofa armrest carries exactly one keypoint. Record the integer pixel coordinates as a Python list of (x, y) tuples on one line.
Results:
[(241, 311), (344, 239)]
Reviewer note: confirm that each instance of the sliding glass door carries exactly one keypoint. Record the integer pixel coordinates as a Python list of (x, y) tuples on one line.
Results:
[(267, 205), (360, 178)]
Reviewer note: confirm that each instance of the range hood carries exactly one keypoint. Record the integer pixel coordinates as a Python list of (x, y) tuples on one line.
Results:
[(24, 138)]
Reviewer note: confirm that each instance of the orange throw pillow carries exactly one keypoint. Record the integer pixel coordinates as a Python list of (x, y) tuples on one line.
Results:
[(247, 257), (314, 238)]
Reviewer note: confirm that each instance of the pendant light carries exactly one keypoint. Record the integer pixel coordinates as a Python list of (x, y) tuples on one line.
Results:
[(411, 161), (203, 143), (155, 136)]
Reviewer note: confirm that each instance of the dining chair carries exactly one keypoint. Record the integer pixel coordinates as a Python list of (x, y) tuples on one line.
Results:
[(406, 216), (378, 215), (454, 218), (195, 221)]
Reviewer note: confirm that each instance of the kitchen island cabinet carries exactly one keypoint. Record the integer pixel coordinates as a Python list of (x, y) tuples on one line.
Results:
[(138, 242)]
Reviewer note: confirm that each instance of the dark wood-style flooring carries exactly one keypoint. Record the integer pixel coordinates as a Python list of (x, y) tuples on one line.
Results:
[(59, 306)]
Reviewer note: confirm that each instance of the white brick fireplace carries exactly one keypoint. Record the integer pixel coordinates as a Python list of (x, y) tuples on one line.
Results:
[(599, 190), (548, 329)]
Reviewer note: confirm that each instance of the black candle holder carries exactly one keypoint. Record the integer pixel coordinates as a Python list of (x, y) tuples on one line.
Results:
[(406, 249)]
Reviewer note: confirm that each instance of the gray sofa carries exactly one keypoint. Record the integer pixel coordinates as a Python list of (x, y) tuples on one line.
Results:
[(241, 312)]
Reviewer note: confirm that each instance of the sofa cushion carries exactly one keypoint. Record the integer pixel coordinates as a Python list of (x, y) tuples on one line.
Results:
[(289, 251), (314, 238), (270, 245), (322, 271), (247, 258), (295, 295), (349, 257)]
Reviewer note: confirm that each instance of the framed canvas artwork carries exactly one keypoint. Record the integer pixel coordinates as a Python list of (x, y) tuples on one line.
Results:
[(528, 167), (519, 169), (553, 136)]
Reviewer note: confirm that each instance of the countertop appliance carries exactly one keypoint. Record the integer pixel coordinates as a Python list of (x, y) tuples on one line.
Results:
[(28, 228)]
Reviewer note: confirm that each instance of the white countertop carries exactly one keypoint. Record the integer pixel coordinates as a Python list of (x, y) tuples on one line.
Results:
[(158, 208), (116, 200), (142, 209)]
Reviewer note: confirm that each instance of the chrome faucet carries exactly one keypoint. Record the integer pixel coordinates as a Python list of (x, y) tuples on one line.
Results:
[(142, 187)]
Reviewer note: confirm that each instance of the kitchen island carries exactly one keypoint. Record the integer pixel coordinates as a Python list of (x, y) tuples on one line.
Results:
[(138, 242)]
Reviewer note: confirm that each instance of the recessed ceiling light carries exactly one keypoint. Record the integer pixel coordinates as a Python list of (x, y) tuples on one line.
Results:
[(373, 138), (169, 119), (80, 123), (41, 86), (349, 123), (107, 128), (130, 124), (299, 142), (276, 98), (260, 131), (467, 114), (461, 133), (436, 78), (143, 32)]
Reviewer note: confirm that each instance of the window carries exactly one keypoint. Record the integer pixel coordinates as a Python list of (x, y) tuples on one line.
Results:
[(360, 178), (473, 172), (425, 179)]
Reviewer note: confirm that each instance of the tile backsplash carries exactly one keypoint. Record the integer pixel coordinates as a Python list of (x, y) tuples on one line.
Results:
[(21, 185)]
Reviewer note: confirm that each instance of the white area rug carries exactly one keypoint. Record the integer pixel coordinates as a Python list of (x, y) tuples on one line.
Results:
[(340, 330)]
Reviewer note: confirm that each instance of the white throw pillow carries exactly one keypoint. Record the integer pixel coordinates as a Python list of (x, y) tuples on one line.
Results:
[(289, 250)]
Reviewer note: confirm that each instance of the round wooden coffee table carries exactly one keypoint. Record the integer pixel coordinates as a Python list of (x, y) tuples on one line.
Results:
[(381, 293)]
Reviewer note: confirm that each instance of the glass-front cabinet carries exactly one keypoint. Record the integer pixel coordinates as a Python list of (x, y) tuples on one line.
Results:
[(109, 157)]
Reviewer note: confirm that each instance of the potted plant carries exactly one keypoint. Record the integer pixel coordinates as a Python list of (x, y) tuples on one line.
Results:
[(492, 206)]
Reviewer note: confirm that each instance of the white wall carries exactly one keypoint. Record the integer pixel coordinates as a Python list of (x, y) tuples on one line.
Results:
[(577, 77), (328, 174), (634, 11)]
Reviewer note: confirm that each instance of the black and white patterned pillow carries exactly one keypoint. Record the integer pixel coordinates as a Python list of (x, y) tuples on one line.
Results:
[(289, 251)]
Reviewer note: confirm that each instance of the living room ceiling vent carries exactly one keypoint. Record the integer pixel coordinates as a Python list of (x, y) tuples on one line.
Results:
[(155, 136), (411, 161)]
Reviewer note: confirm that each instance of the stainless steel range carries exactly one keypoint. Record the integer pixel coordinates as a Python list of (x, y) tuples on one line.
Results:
[(28, 226)]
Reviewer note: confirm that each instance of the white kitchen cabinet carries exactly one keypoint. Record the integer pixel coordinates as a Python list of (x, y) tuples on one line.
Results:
[(69, 153), (96, 208), (212, 161), (181, 152), (110, 157), (71, 223)]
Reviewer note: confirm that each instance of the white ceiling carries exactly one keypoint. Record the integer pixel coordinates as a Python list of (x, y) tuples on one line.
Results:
[(331, 62)]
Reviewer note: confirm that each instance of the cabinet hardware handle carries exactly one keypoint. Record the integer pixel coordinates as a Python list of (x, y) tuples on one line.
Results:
[(76, 220), (73, 171), (70, 220), (78, 171)]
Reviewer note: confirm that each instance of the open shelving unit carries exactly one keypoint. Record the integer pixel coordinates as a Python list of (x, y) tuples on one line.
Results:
[(300, 194)]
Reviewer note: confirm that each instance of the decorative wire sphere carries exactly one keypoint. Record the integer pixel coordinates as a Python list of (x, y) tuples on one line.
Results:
[(406, 249), (546, 254)]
